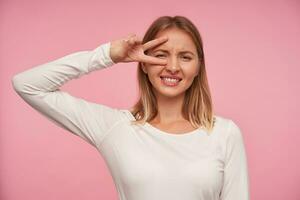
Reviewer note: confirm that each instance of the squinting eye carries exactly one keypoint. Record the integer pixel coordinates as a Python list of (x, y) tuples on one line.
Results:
[(159, 55), (185, 57)]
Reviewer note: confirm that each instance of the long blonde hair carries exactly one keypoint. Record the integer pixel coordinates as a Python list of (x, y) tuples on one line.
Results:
[(197, 107)]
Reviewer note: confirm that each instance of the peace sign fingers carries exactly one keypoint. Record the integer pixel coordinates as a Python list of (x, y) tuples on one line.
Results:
[(152, 43)]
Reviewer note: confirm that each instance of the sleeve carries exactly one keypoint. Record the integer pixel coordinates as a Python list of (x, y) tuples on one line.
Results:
[(236, 180), (39, 87)]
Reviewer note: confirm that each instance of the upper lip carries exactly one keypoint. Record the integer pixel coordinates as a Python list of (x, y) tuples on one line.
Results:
[(170, 76)]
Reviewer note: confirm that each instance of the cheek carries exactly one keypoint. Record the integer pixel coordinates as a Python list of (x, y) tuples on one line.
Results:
[(153, 75), (190, 71)]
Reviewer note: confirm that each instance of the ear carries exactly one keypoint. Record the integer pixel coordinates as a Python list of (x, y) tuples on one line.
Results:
[(144, 68)]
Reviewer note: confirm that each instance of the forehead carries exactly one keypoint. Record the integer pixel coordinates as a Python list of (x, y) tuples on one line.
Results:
[(178, 40)]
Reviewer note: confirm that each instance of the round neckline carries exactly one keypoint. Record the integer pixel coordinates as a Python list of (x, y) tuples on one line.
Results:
[(161, 132), (196, 131)]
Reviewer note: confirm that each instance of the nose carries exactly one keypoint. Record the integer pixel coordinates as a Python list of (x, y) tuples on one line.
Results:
[(173, 65)]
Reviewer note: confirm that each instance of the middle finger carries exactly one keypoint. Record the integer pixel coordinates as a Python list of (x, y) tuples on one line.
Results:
[(155, 42)]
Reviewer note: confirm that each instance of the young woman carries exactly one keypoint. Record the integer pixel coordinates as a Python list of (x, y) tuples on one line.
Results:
[(169, 145)]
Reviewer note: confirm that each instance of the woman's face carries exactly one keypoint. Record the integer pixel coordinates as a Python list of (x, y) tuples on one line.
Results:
[(182, 62)]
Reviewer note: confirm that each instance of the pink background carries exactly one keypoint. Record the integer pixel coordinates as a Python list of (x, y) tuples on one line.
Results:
[(252, 58)]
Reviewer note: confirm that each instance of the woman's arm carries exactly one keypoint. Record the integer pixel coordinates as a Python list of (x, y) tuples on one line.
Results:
[(236, 180), (40, 88)]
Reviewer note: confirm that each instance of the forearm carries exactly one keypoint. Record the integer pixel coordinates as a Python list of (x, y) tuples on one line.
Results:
[(52, 75)]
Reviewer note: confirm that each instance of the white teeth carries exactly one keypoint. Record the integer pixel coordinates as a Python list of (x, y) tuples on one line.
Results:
[(171, 80)]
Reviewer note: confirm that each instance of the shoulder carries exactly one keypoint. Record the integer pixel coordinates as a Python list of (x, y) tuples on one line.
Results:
[(127, 115), (105, 113), (228, 136), (226, 127)]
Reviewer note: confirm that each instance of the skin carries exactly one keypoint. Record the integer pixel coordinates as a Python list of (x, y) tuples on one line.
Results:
[(172, 61)]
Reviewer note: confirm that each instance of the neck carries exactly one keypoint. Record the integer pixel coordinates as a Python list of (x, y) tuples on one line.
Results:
[(169, 109)]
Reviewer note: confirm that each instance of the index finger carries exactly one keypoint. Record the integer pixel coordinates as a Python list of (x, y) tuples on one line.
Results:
[(155, 42), (153, 60)]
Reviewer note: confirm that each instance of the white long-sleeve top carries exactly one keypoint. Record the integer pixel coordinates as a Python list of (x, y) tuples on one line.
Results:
[(145, 162)]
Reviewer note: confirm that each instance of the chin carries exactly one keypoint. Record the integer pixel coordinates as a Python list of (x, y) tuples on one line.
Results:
[(169, 92)]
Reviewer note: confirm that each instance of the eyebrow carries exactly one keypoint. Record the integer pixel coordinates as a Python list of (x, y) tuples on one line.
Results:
[(163, 50)]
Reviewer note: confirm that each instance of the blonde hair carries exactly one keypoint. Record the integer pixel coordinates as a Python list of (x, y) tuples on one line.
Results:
[(197, 107)]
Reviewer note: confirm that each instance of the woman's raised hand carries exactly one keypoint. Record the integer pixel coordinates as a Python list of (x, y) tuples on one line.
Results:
[(131, 49)]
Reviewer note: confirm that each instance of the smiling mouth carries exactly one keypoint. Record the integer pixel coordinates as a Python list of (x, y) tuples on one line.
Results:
[(170, 81)]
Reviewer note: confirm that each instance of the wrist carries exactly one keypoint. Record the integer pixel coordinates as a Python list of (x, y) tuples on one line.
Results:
[(112, 54)]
